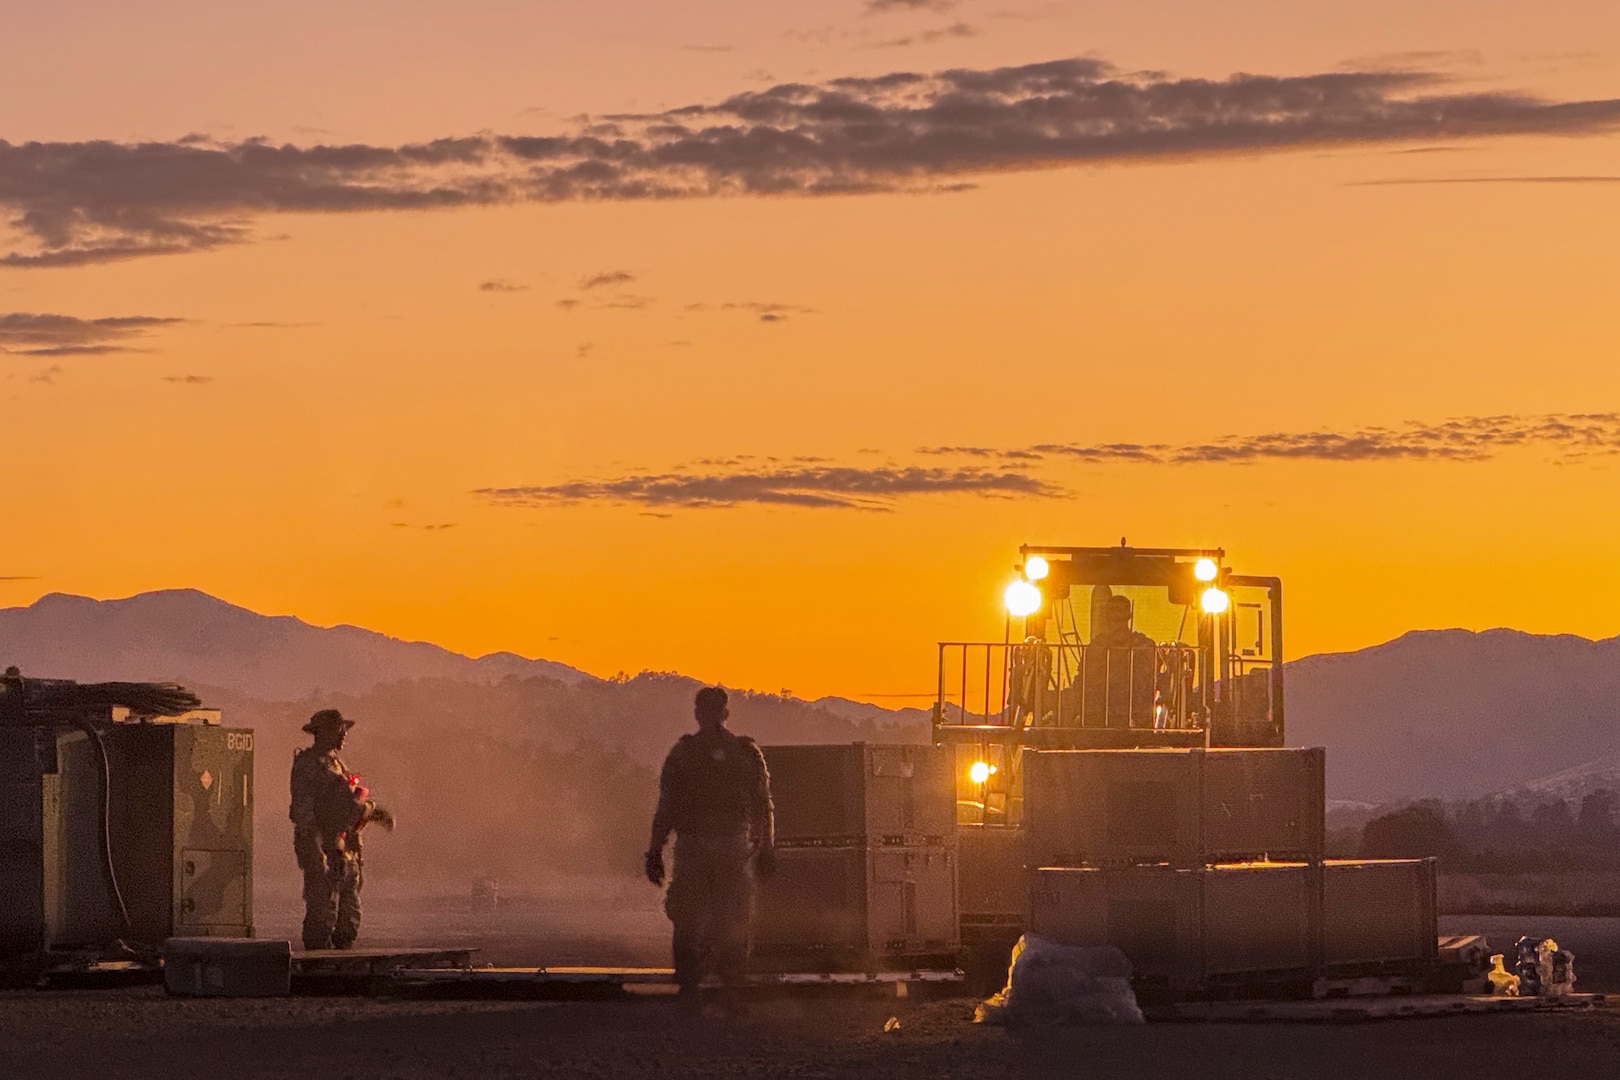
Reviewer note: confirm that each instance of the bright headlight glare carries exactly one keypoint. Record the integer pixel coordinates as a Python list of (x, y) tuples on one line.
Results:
[(1036, 568), (1205, 569), (1213, 601), (979, 772), (1022, 599)]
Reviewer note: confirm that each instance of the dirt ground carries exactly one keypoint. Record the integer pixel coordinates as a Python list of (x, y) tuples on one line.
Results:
[(108, 1035)]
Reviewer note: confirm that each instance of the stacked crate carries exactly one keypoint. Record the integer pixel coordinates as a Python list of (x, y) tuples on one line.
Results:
[(1206, 867), (1187, 808), (866, 860)]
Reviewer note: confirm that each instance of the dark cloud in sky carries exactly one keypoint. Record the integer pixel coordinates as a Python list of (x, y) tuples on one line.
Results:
[(822, 487), (64, 335), (1571, 437), (606, 279), (189, 380), (499, 285), (74, 203)]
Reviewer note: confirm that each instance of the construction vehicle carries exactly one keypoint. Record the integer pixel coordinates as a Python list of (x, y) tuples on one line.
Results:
[(1120, 778), (1106, 649), (1209, 674)]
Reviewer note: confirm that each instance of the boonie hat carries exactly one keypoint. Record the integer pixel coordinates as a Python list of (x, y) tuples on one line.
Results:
[(327, 718)]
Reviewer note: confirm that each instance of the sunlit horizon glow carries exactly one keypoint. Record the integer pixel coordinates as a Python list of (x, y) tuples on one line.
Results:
[(751, 343)]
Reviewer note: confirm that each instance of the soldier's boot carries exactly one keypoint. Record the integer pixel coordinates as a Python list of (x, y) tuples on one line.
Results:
[(689, 955), (320, 908), (346, 925), (731, 965)]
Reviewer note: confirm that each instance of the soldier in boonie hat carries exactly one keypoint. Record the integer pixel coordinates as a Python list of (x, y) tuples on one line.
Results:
[(330, 805)]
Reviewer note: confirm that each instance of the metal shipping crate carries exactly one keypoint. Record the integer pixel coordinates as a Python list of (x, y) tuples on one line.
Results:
[(1151, 913), (227, 967), (1186, 807), (1100, 806), (1264, 802), (1260, 917), (1379, 912), (857, 908), (862, 793), (181, 810), (993, 884), (1187, 927)]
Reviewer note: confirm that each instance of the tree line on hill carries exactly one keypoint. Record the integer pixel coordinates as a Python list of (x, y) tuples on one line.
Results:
[(1504, 834)]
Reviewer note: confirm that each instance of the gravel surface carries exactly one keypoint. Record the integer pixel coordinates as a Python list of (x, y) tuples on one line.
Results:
[(113, 1034), (105, 1035)]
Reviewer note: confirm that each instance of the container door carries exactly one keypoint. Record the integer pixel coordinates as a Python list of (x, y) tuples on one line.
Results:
[(913, 906), (816, 900), (213, 889)]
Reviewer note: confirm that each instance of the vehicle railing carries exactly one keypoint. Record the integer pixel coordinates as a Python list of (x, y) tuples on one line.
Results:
[(1050, 684)]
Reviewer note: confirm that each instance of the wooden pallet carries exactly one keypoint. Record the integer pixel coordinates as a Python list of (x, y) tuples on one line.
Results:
[(600, 981), (666, 976), (375, 961)]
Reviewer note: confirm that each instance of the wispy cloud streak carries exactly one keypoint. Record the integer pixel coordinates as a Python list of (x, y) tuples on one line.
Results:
[(75, 203), (833, 487), (33, 334), (1570, 437)]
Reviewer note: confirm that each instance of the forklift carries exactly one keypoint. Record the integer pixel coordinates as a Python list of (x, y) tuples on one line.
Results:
[(1105, 648)]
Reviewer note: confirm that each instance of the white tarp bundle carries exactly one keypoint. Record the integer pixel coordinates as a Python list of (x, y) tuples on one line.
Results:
[(1048, 983)]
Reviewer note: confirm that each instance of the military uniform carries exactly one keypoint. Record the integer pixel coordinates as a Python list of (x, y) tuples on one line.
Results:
[(715, 795), (328, 808), (1121, 669)]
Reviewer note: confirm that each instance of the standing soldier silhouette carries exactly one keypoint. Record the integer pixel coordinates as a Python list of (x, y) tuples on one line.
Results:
[(329, 808), (715, 795)]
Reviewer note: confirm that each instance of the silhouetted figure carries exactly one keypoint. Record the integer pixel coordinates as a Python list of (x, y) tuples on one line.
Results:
[(715, 795), (329, 808), (1120, 668)]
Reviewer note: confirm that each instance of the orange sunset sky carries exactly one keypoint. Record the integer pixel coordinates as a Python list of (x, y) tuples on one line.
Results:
[(750, 339)]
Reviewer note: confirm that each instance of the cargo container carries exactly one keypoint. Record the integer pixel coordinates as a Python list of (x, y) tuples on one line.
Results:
[(860, 794), (858, 908), (1186, 927), (179, 828), (1185, 807), (1379, 912), (227, 967), (994, 880), (1200, 927)]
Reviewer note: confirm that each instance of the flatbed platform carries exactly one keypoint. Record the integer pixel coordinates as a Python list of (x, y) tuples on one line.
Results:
[(375, 961), (615, 980), (366, 971)]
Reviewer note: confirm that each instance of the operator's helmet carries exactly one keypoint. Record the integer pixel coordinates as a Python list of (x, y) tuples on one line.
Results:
[(327, 720)]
